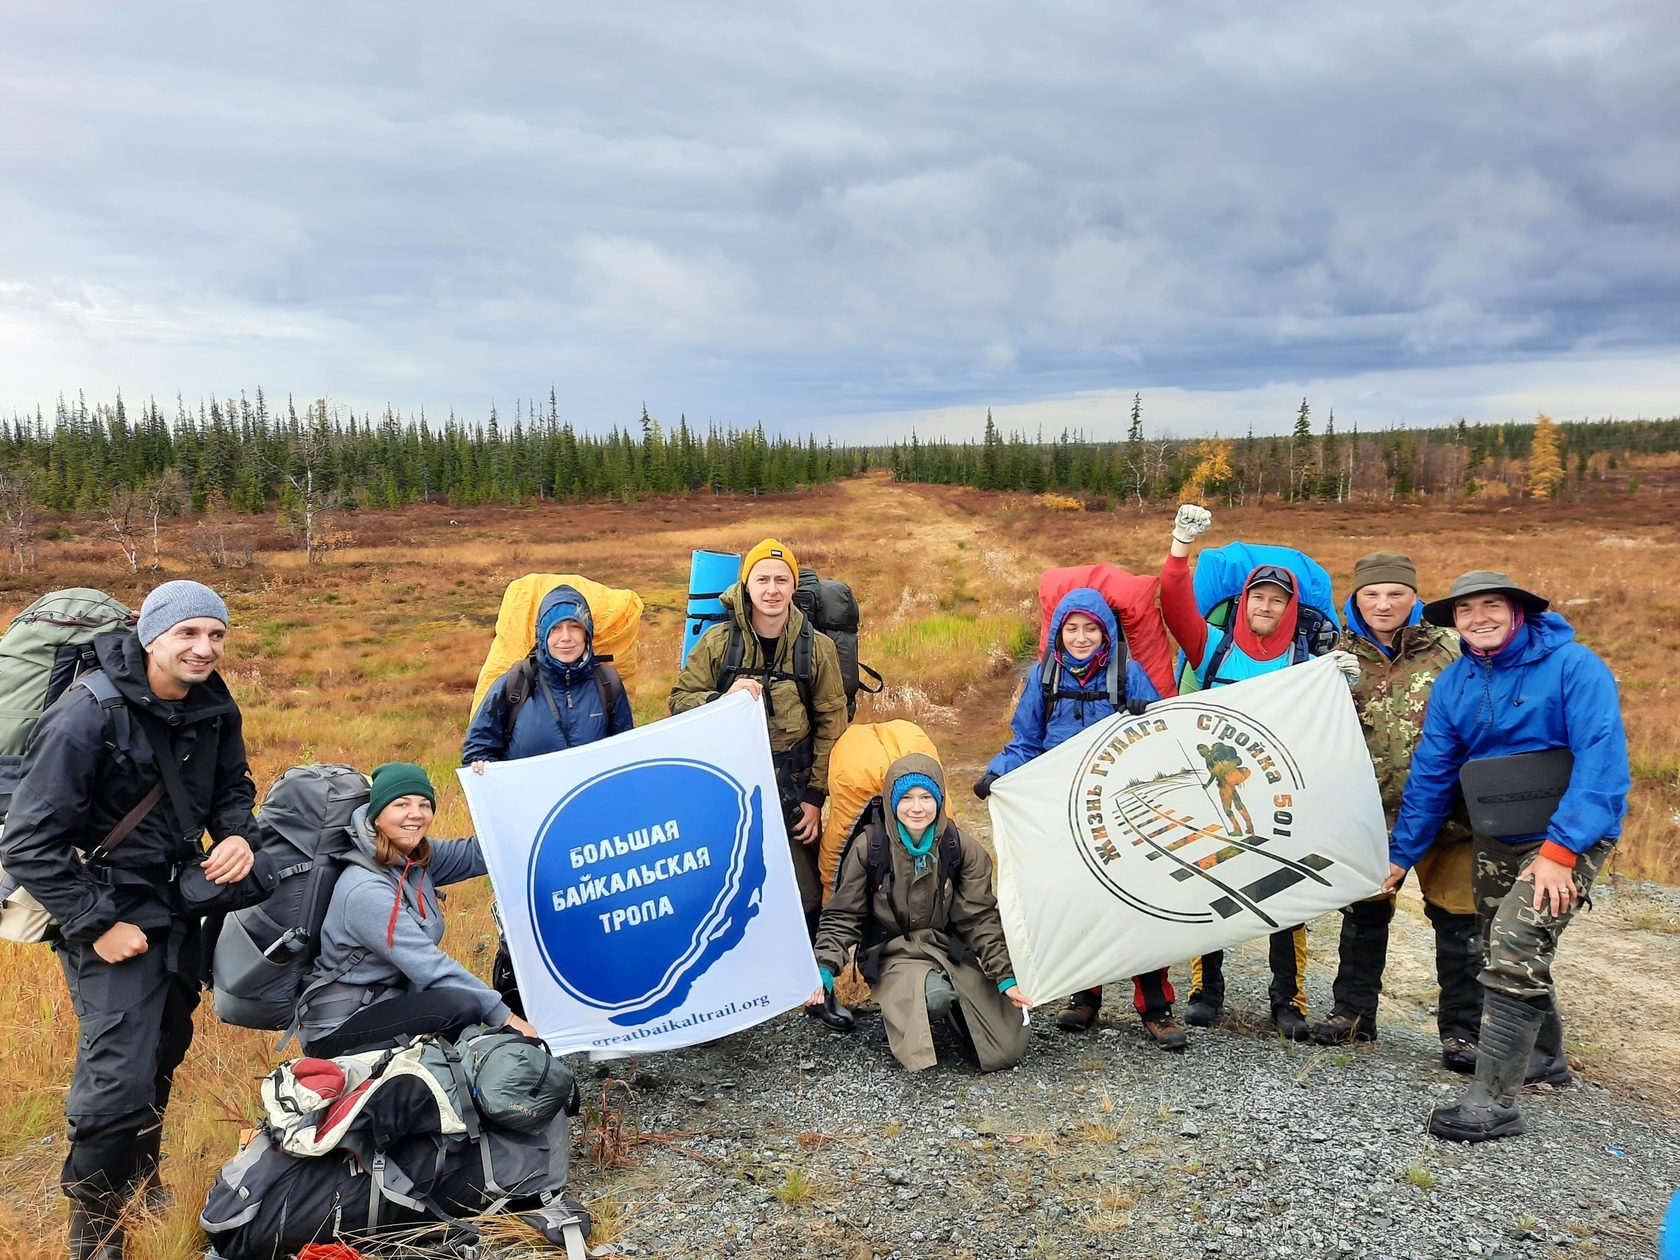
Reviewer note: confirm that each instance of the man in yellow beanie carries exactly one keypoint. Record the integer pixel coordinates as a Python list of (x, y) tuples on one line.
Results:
[(769, 650)]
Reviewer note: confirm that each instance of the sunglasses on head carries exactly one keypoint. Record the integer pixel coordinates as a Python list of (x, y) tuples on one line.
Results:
[(1275, 574)]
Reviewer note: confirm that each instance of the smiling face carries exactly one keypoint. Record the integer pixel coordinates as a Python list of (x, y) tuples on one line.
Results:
[(185, 654), (1081, 635), (1386, 606), (770, 587), (566, 642), (1264, 606), (917, 809), (1483, 620), (403, 823)]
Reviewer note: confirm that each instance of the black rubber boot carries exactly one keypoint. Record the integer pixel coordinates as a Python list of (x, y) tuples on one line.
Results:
[(1207, 1003), (95, 1233), (1547, 1065), (1362, 956), (1458, 963), (1488, 1109), (1291, 1025)]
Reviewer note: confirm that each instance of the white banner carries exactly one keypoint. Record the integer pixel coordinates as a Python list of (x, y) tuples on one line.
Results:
[(645, 883), (1214, 818)]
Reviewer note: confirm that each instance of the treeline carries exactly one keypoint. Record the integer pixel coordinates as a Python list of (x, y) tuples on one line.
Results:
[(244, 455), (1462, 459)]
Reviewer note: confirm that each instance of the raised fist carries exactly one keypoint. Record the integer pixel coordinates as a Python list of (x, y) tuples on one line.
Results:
[(1191, 521)]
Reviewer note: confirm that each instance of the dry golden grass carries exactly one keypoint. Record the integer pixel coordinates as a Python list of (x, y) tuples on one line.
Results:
[(372, 656)]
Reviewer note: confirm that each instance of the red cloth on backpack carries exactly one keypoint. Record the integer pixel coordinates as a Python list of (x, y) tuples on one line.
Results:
[(1134, 600)]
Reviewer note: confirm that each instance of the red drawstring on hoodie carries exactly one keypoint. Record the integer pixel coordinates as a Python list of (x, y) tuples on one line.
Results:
[(396, 906)]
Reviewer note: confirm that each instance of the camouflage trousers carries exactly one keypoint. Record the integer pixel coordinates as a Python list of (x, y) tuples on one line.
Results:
[(1518, 941)]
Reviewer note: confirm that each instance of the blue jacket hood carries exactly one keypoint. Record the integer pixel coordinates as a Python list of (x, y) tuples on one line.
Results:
[(1087, 600), (576, 608)]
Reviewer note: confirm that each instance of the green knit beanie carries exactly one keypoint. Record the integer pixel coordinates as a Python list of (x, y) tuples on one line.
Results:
[(398, 778)]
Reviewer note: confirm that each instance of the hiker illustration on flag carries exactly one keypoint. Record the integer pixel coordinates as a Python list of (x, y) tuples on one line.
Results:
[(1227, 772)]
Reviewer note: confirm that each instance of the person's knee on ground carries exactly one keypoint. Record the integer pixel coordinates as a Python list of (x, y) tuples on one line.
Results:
[(940, 995)]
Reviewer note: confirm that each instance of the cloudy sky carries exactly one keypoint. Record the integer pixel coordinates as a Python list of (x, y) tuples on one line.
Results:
[(849, 219)]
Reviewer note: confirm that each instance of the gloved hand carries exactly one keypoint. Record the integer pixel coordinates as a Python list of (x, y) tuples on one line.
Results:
[(983, 785), (1135, 706), (1348, 663), (1192, 520)]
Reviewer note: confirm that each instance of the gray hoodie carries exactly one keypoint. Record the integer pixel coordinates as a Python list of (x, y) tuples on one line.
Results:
[(397, 931)]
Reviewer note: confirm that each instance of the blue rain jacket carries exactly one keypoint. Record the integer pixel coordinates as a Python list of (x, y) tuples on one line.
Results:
[(1542, 690), (1032, 733)]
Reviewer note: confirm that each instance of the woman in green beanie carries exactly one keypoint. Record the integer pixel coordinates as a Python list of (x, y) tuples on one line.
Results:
[(382, 973)]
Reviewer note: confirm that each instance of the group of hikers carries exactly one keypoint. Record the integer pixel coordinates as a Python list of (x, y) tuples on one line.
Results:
[(1484, 672)]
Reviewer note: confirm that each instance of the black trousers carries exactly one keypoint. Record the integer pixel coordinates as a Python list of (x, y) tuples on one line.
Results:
[(384, 1024), (135, 1026)]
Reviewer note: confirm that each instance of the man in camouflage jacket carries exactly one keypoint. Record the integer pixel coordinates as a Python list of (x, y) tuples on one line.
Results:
[(1399, 658)]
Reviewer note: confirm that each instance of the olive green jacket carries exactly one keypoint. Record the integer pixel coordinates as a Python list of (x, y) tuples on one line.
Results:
[(784, 709)]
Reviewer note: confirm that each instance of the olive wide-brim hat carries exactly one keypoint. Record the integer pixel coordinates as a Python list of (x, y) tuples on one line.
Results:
[(1439, 612)]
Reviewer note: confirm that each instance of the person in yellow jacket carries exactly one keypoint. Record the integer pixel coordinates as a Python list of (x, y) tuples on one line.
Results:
[(770, 651)]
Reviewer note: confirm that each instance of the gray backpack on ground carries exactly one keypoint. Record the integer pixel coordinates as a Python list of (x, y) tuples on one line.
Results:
[(265, 953)]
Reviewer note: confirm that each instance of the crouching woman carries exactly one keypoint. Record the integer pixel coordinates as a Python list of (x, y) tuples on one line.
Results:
[(914, 896), (382, 974)]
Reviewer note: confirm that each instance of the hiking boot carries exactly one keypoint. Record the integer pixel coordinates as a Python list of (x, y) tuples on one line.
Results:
[(1291, 1025), (1488, 1110), (1342, 1029), (1203, 1010), (1080, 1015), (1168, 1033), (1458, 1055)]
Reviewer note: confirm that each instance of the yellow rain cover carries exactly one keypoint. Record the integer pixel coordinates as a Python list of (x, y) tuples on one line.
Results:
[(856, 769), (617, 615)]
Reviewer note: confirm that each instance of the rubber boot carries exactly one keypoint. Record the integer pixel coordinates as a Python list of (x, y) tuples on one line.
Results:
[(1547, 1065), (1207, 995), (1488, 1109), (1362, 957), (1458, 961), (95, 1233)]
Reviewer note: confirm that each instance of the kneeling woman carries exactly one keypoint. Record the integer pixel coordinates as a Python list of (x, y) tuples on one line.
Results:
[(382, 974), (926, 926)]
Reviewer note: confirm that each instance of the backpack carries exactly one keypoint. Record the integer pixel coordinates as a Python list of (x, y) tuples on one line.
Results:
[(829, 608), (1219, 575), (521, 683), (857, 769), (264, 954), (45, 649), (878, 864), (267, 1204), (1135, 601)]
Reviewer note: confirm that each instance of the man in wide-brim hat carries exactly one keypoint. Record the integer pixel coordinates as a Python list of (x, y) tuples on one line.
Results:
[(1522, 685)]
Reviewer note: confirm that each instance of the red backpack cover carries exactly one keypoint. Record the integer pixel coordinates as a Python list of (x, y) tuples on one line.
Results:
[(1135, 601)]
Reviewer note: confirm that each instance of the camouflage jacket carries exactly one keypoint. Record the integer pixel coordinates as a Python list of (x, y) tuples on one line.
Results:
[(1392, 696)]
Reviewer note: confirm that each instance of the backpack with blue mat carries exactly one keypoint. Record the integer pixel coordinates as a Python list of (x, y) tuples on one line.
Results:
[(1219, 576)]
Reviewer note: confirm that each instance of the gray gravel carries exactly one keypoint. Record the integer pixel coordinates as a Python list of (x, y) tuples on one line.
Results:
[(787, 1140)]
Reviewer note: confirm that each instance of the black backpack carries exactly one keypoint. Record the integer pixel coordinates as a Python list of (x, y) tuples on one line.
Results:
[(521, 680), (829, 608), (264, 954), (878, 863)]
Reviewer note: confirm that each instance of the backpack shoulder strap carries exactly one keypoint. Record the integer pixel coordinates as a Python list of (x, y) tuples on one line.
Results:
[(950, 854), (804, 668), (877, 860), (518, 691), (611, 689), (733, 654)]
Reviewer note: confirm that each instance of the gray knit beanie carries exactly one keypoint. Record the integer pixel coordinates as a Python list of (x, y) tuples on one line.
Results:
[(175, 602)]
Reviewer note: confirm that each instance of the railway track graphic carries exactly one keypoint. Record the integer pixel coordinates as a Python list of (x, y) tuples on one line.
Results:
[(1163, 817)]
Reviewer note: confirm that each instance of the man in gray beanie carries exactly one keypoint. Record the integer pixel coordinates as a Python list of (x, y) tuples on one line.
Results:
[(122, 778)]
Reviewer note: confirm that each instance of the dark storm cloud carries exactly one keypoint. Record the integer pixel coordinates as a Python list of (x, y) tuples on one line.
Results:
[(797, 212)]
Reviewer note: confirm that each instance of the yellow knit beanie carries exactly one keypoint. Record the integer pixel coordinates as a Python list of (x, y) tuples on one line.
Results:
[(769, 549)]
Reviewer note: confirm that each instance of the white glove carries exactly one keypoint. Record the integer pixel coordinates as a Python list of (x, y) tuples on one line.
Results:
[(1348, 663), (1191, 521)]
